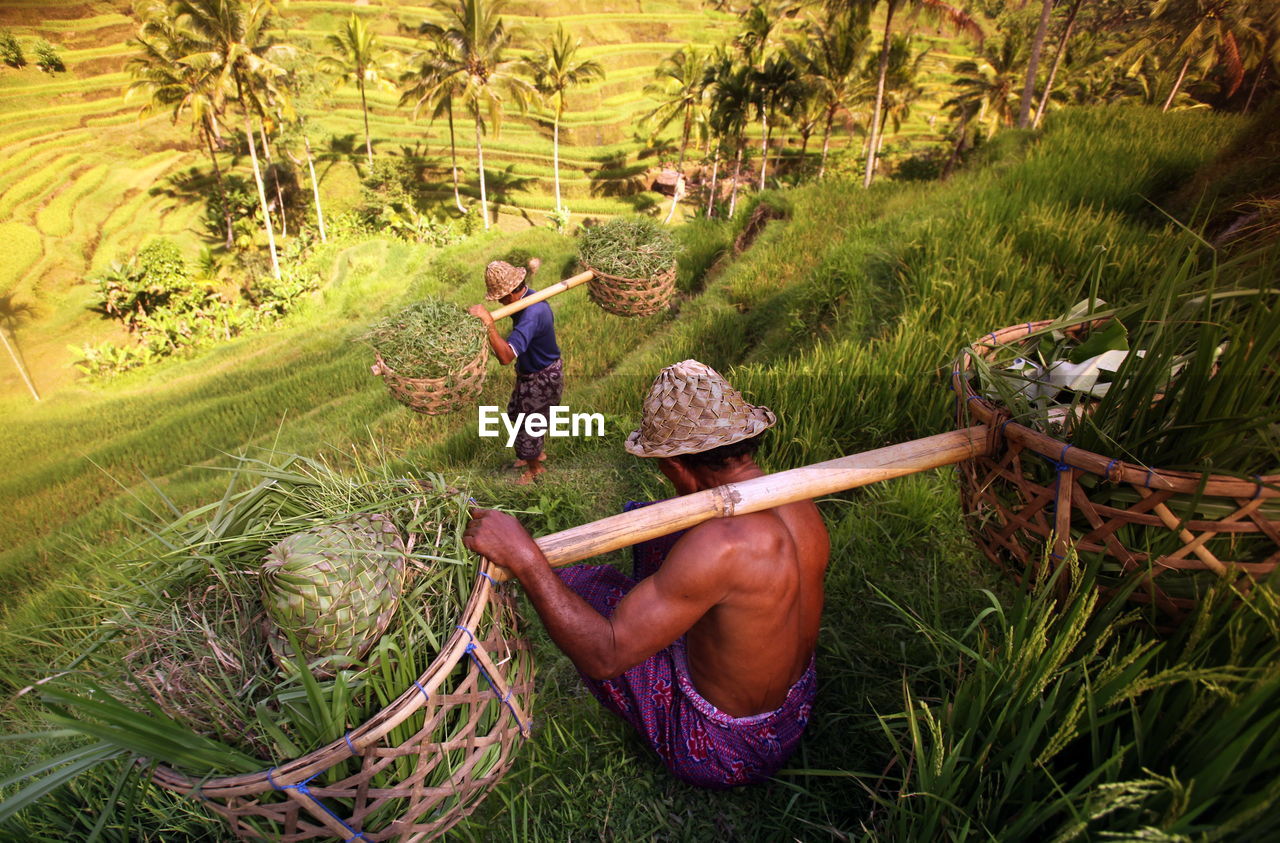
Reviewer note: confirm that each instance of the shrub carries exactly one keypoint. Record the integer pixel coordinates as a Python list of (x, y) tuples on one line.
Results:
[(11, 51), (242, 197), (47, 58), (131, 290), (171, 310), (559, 220), (923, 166)]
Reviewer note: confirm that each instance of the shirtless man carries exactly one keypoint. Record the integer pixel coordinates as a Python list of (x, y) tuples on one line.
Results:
[(708, 651)]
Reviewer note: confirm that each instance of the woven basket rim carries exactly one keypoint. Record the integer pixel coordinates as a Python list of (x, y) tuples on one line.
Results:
[(390, 373), (367, 733), (661, 277), (1116, 470)]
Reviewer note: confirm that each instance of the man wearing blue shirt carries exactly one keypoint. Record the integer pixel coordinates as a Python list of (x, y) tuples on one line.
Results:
[(532, 346)]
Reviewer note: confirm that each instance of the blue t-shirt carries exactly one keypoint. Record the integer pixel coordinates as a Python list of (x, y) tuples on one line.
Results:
[(533, 337)]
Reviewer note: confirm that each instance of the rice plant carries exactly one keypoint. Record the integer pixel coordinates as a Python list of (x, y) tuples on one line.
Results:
[(1061, 717)]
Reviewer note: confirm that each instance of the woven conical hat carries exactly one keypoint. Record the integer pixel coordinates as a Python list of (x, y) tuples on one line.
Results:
[(689, 409), (501, 278)]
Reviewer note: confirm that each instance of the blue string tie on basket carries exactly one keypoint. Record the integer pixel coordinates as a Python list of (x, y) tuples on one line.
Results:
[(303, 789), (1060, 466), (493, 686)]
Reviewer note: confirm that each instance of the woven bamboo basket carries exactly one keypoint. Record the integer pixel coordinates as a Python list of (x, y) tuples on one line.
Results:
[(1174, 530), (632, 296), (447, 740), (434, 396)]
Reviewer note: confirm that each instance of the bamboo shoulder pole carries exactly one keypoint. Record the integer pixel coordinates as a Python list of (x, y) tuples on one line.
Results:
[(760, 493), (543, 294)]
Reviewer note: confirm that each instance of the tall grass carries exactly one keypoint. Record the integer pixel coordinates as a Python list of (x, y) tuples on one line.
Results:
[(1062, 716)]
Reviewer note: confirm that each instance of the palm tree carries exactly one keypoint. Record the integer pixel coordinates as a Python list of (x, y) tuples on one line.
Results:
[(681, 83), (358, 56), (1033, 64), (777, 85), (987, 84), (301, 85), (957, 18), (831, 60), (230, 40), (901, 87), (476, 67), (758, 25), (555, 69), (1067, 29), (1207, 33), (159, 73), (11, 313), (732, 95), (429, 83)]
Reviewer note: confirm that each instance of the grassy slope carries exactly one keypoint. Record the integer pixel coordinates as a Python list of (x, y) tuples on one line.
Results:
[(82, 181), (842, 320)]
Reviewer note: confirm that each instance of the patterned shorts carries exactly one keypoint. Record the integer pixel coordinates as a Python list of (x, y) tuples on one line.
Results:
[(535, 393), (698, 743)]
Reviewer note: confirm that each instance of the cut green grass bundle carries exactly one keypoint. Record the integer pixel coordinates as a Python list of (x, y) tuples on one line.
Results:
[(628, 247), (429, 339), (199, 691)]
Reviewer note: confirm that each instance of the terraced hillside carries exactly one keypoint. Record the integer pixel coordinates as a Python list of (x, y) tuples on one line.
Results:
[(83, 179)]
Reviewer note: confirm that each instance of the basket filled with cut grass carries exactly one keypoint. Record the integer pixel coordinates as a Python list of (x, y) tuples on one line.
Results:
[(633, 260), (431, 355), (1143, 436), (312, 657)]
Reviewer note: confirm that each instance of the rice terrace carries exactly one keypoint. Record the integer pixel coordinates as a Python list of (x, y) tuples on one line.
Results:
[(640, 420)]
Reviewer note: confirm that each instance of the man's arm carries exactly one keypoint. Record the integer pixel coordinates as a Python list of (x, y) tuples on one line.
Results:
[(655, 613), (501, 348)]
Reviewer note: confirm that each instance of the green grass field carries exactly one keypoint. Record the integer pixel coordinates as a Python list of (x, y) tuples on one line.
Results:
[(842, 319), (59, 132)]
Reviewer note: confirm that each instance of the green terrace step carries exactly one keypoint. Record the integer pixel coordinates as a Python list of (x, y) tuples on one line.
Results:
[(67, 86), (121, 49), (77, 25)]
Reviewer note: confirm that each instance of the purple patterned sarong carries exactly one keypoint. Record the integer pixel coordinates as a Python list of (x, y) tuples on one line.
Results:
[(699, 743)]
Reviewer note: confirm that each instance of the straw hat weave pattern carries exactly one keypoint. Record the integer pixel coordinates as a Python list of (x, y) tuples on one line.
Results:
[(690, 409), (501, 278)]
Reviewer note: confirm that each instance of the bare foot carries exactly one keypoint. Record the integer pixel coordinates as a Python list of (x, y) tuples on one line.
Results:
[(523, 463), (535, 468)]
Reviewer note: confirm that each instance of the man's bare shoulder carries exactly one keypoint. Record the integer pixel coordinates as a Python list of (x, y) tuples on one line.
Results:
[(723, 541)]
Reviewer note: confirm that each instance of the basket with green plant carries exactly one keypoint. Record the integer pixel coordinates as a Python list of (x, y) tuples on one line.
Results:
[(634, 263), (431, 356), (1146, 435), (313, 656)]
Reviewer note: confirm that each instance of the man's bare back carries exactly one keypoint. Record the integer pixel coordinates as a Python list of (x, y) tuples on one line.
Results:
[(752, 646)]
